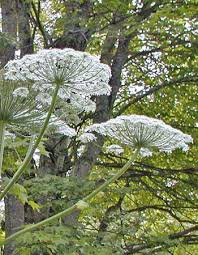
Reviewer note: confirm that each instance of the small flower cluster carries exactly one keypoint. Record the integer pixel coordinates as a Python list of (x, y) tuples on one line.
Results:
[(18, 105), (87, 137), (139, 131), (21, 92), (62, 128), (115, 149)]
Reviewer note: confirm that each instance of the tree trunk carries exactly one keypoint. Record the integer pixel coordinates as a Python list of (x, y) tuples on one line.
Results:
[(9, 27), (14, 210), (76, 35), (14, 219), (24, 31)]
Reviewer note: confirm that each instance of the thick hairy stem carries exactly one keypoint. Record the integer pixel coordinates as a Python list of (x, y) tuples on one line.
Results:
[(2, 140), (76, 206), (29, 155)]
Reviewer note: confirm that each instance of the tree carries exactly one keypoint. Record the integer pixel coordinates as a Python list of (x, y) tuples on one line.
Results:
[(149, 44)]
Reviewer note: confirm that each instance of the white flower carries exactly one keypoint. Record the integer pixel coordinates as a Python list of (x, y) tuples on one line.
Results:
[(139, 131), (145, 152), (74, 71), (62, 128), (44, 98), (18, 106), (78, 103), (68, 113), (171, 183), (36, 157), (81, 150), (87, 137), (79, 76), (115, 148), (72, 109), (82, 103), (9, 135), (21, 92)]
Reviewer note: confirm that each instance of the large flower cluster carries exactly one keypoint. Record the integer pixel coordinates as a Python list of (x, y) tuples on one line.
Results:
[(75, 71), (79, 76), (139, 131)]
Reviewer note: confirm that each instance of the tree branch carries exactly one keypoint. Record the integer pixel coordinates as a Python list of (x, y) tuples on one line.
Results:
[(140, 96), (160, 244)]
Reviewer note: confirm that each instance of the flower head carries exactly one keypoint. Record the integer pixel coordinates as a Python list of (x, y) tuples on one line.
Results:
[(139, 131), (62, 128), (115, 149), (145, 152), (18, 106), (75, 72), (87, 137), (21, 92)]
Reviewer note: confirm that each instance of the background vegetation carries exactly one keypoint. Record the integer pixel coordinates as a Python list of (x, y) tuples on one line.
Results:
[(151, 47)]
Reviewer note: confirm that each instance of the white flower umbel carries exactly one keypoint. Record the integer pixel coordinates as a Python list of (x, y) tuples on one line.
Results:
[(72, 110), (87, 137), (115, 149), (76, 71), (144, 152), (18, 106), (21, 92), (62, 128), (44, 98), (139, 131), (18, 109), (81, 103)]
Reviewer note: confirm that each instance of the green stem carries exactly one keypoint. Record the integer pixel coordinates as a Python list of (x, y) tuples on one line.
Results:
[(75, 206), (2, 143), (29, 155), (113, 178)]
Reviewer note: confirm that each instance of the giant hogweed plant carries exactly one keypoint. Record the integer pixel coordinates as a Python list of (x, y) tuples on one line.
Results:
[(34, 85)]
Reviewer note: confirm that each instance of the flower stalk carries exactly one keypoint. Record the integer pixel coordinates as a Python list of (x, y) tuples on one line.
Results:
[(74, 207), (30, 153), (2, 143)]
